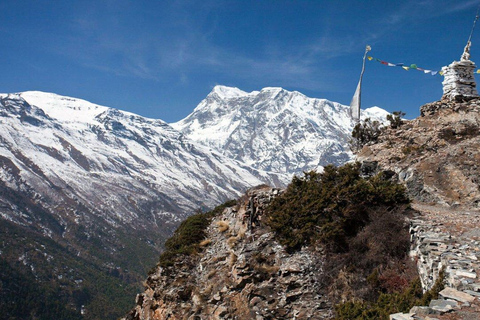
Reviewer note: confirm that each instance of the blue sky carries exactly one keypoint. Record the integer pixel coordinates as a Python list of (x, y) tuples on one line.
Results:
[(161, 58)]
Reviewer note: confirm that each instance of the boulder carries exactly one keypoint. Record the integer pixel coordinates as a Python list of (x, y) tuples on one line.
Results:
[(402, 316), (443, 306), (454, 294)]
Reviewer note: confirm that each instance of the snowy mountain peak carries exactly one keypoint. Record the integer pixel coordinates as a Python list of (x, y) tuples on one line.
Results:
[(272, 89), (224, 92), (87, 147), (374, 112), (64, 108), (274, 129)]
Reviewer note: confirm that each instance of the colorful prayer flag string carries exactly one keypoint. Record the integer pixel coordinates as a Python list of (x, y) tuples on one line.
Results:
[(408, 67), (412, 66)]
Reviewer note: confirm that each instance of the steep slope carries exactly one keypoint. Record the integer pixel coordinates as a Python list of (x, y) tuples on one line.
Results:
[(241, 273), (89, 193), (289, 254), (274, 129)]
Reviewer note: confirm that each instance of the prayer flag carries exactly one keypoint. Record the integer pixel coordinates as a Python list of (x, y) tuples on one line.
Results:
[(355, 103), (357, 100), (412, 66)]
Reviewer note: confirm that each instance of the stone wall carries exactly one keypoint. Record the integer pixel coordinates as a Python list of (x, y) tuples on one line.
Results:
[(439, 242), (434, 249)]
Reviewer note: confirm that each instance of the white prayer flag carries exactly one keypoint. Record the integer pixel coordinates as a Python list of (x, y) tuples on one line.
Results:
[(357, 97), (355, 104)]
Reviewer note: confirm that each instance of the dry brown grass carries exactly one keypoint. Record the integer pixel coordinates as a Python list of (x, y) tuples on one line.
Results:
[(218, 258), (222, 226), (232, 259), (341, 289), (232, 241), (242, 308), (205, 243), (268, 269), (241, 234), (208, 291), (212, 273)]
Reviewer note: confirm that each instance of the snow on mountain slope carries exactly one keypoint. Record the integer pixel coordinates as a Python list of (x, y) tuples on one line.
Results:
[(111, 160), (274, 129)]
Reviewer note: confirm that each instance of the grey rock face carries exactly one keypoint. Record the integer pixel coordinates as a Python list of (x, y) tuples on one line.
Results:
[(453, 294), (243, 273), (443, 306)]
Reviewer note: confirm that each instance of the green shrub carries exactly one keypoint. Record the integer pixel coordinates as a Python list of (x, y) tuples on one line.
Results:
[(395, 119), (364, 132), (331, 207), (360, 223)]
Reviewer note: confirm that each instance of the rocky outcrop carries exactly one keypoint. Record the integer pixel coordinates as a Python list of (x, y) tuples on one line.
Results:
[(449, 240), (436, 155), (242, 273)]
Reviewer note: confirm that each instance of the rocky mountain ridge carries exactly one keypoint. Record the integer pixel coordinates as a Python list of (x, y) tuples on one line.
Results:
[(436, 154), (243, 273), (436, 157), (274, 129)]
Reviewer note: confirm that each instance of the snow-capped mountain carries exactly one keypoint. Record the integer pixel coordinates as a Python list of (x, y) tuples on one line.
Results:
[(112, 160), (274, 129), (89, 193)]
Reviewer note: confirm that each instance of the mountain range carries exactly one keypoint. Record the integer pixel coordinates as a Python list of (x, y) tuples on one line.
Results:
[(274, 129), (89, 193)]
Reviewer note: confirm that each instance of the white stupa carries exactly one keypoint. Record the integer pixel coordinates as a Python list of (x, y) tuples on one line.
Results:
[(459, 82)]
